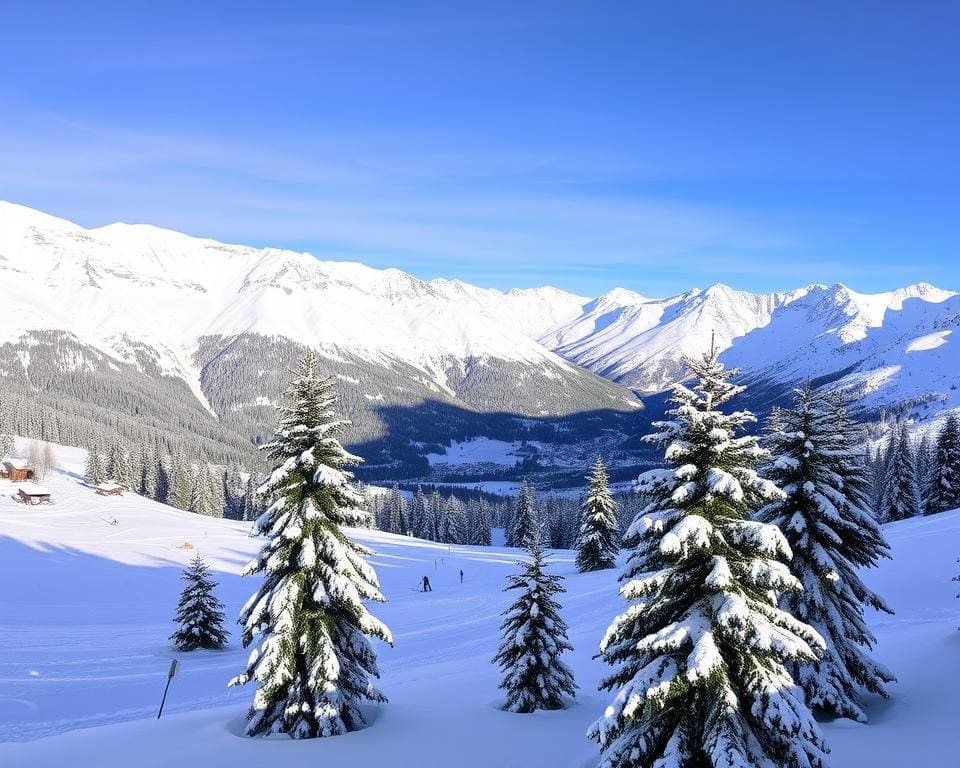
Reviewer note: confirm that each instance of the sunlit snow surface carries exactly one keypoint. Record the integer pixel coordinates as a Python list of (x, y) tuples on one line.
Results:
[(87, 611)]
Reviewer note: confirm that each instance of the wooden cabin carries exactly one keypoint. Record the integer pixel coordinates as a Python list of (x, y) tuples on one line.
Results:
[(33, 494), (16, 471), (109, 489)]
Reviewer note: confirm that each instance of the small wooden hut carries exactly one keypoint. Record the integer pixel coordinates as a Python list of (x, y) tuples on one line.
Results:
[(33, 494)]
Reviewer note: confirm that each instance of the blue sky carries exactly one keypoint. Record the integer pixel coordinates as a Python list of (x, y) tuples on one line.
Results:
[(649, 145)]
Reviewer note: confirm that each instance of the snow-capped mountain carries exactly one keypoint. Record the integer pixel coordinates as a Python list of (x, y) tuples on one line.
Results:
[(218, 326), (894, 350), (228, 321)]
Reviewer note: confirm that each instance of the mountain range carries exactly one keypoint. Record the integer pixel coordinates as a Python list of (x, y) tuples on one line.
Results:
[(200, 335)]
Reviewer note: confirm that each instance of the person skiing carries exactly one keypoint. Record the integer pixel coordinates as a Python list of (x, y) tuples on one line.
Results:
[(461, 575), (425, 587)]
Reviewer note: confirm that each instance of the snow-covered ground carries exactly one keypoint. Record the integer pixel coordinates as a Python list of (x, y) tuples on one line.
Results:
[(87, 607)]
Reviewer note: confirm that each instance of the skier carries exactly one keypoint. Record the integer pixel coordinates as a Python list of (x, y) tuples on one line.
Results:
[(425, 587), (461, 575)]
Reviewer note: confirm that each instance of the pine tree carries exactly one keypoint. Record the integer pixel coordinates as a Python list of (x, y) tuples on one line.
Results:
[(250, 500), (597, 540), (420, 516), (534, 636), (396, 512), (147, 481), (480, 533), (826, 520), (945, 492), (315, 661), (162, 491), (95, 472), (901, 493), (199, 614), (525, 524), (118, 466), (202, 499), (926, 466), (436, 516), (180, 485), (7, 445), (701, 653), (455, 522)]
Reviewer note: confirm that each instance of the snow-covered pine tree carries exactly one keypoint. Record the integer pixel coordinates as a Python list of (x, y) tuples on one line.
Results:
[(95, 473), (436, 516), (926, 466), (826, 520), (420, 515), (147, 482), (480, 534), (118, 466), (200, 614), (534, 636), (701, 652), (525, 525), (7, 444), (180, 488), (946, 485), (315, 661), (250, 500), (454, 521), (202, 501), (396, 512), (162, 491), (900, 492), (597, 546)]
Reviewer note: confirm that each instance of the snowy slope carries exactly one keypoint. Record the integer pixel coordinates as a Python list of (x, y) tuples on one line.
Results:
[(87, 610)]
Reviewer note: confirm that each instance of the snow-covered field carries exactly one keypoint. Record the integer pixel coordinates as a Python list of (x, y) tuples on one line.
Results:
[(87, 607)]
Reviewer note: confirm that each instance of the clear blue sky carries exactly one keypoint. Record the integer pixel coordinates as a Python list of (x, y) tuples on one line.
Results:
[(653, 145)]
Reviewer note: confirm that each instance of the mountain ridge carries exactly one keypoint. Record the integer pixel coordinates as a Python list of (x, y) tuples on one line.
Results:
[(174, 304)]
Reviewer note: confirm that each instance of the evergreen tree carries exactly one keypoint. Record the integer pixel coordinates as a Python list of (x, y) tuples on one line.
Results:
[(147, 482), (455, 522), (945, 491), (925, 457), (886, 454), (597, 541), (199, 614), (701, 653), (118, 466), (826, 521), (202, 498), (162, 491), (525, 524), (534, 638), (250, 500), (95, 473), (7, 445), (420, 515), (901, 493), (315, 661), (480, 532), (396, 513), (180, 484), (436, 516)]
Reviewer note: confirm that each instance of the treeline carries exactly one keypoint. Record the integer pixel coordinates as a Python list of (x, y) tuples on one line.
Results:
[(912, 475), (193, 485)]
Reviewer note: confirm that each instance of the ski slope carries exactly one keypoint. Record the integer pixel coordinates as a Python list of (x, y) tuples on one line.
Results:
[(87, 610)]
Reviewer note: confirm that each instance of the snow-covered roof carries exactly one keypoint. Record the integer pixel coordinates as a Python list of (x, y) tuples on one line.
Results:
[(16, 463), (34, 490)]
